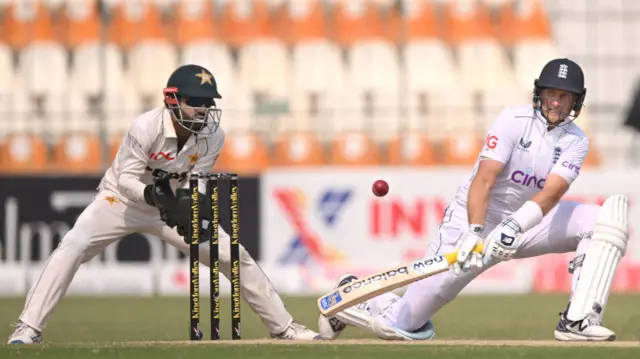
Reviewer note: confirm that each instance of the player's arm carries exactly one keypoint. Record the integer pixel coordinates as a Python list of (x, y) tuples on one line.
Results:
[(132, 162), (563, 173), (481, 185), (495, 154)]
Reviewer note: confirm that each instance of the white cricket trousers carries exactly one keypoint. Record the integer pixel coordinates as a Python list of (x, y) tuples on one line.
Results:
[(106, 221), (566, 228)]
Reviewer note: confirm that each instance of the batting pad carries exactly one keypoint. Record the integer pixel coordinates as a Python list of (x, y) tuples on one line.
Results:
[(608, 246)]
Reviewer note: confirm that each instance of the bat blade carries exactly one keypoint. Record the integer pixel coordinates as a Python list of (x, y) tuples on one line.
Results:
[(393, 278)]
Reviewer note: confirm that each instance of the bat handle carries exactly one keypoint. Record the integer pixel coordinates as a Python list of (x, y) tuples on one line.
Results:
[(453, 256)]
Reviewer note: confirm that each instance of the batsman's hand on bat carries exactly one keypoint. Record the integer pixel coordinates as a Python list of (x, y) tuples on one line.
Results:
[(467, 258), (502, 242)]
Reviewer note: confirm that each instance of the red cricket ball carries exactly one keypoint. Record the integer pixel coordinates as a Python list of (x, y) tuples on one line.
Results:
[(380, 188)]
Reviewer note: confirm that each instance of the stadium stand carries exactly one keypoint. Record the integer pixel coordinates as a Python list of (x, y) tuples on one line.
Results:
[(304, 82)]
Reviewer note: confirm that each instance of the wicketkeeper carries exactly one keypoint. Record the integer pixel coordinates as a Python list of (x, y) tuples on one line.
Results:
[(139, 194)]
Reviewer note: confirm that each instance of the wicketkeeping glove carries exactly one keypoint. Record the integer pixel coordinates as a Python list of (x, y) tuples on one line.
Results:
[(160, 194), (180, 214)]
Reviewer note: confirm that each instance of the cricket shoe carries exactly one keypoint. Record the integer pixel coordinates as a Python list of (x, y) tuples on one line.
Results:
[(388, 332), (297, 331), (331, 327), (587, 329), (382, 326), (24, 334)]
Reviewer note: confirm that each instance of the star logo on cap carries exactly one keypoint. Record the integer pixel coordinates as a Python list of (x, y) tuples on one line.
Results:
[(205, 78)]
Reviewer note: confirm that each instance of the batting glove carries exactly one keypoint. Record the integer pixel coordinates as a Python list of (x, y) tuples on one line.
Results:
[(502, 243), (467, 258)]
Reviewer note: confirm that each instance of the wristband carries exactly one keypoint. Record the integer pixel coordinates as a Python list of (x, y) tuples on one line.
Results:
[(528, 216)]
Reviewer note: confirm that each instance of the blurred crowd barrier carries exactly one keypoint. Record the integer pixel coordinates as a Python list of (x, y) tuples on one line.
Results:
[(307, 82)]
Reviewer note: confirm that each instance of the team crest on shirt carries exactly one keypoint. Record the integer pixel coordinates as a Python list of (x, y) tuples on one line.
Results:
[(524, 146), (556, 154), (111, 200), (193, 158)]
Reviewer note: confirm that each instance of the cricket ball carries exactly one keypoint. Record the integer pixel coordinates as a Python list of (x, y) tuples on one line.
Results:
[(380, 188)]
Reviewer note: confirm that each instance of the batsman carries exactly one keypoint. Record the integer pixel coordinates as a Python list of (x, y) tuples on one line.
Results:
[(146, 191), (512, 204)]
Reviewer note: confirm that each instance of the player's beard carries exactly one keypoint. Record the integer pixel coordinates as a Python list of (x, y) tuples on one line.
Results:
[(196, 120), (559, 114)]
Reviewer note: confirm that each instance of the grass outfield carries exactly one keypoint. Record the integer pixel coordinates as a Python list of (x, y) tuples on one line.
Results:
[(478, 326)]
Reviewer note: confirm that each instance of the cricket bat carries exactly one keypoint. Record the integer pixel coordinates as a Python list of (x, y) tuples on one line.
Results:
[(372, 286)]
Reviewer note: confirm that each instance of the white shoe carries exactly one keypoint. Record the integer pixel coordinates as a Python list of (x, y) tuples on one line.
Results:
[(587, 329), (297, 331), (331, 327), (387, 332), (24, 334)]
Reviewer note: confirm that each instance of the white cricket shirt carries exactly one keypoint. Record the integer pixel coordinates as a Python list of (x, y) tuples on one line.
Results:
[(519, 139), (151, 146)]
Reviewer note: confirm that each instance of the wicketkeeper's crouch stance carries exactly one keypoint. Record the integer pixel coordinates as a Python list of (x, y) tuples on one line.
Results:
[(160, 150), (511, 203)]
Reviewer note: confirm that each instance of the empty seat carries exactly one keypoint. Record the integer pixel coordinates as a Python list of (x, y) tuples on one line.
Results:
[(270, 75), (27, 22), (80, 115), (529, 57), (8, 90), (419, 21), (372, 88), (429, 74), (353, 149), (355, 20), (23, 153), (243, 21), (151, 62), (194, 22), (139, 28), (298, 149), (134, 21), (77, 153), (526, 27), (412, 149), (483, 62), (96, 67), (301, 21), (80, 24), (461, 149), (316, 63), (243, 153), (121, 108), (265, 84), (42, 68), (317, 82), (56, 117), (523, 20)]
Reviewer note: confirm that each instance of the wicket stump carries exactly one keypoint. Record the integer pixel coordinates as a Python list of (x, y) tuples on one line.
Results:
[(212, 198)]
